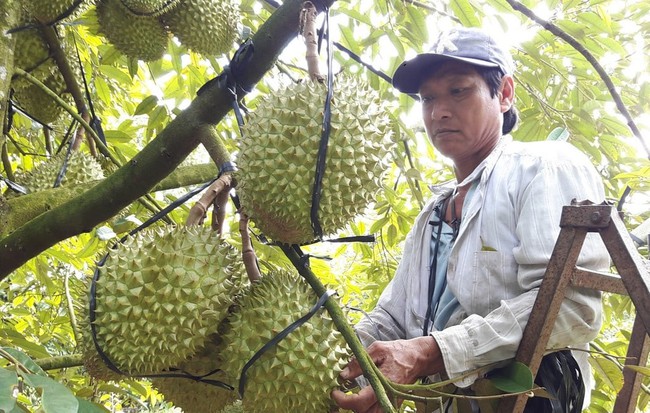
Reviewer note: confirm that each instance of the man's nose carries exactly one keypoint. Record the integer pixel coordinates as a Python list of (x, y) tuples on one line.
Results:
[(440, 110)]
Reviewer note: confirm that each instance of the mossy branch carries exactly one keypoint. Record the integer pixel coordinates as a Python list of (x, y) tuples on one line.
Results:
[(591, 59), (17, 211), (60, 362)]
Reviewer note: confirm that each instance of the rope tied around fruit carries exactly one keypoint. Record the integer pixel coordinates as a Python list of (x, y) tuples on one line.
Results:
[(308, 30), (172, 371), (162, 8), (280, 336)]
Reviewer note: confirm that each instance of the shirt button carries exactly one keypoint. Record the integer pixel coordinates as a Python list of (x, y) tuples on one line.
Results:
[(475, 343)]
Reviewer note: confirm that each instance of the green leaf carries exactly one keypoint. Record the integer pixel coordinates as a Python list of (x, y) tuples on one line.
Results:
[(115, 74), (639, 369), (514, 378), (8, 384), (56, 398), (558, 134), (465, 12), (25, 360), (146, 105), (86, 406), (115, 136)]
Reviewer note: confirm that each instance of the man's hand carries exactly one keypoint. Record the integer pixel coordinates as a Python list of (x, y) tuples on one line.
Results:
[(400, 361)]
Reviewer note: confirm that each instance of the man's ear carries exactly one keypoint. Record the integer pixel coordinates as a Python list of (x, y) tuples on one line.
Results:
[(506, 93)]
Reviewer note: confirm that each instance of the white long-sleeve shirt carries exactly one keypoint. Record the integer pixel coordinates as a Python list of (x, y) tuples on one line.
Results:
[(508, 231)]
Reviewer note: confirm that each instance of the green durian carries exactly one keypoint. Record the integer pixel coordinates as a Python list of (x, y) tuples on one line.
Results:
[(149, 7), (159, 296), (205, 26), (277, 158), (82, 168), (48, 11), (196, 396), (236, 407), (30, 50), (296, 375), (138, 37)]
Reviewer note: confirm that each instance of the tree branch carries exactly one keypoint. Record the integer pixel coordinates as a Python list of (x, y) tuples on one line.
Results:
[(60, 362), (15, 212), (591, 59)]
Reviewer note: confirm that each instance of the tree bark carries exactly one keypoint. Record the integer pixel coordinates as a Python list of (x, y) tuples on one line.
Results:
[(15, 212), (157, 160), (9, 14)]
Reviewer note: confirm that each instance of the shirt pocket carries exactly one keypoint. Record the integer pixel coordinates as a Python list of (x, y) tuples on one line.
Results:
[(494, 278)]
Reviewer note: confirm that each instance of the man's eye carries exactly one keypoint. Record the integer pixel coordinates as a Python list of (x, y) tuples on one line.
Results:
[(458, 90), (426, 99)]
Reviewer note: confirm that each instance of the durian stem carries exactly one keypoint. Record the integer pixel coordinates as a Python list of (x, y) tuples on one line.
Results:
[(72, 85), (247, 251), (200, 208), (308, 30), (219, 209), (369, 369), (60, 362)]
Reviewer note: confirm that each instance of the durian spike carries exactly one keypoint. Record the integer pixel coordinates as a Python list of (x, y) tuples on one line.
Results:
[(199, 209), (308, 30), (247, 251)]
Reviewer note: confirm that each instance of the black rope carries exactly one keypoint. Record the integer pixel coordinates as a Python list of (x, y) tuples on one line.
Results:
[(95, 123), (33, 118), (14, 186), (64, 166), (325, 134), (280, 336), (92, 305), (156, 12)]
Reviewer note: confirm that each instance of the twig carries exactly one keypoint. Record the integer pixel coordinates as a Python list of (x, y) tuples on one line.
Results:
[(308, 31), (199, 209), (71, 111), (591, 59), (247, 251), (72, 85)]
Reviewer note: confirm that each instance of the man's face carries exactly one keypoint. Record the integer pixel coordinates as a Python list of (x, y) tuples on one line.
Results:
[(461, 118)]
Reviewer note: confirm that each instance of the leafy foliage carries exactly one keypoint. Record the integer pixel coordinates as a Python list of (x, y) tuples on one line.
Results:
[(558, 90)]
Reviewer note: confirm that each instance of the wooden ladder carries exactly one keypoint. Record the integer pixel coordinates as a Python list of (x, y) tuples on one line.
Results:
[(633, 279)]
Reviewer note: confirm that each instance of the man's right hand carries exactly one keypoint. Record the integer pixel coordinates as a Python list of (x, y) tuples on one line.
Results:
[(400, 361)]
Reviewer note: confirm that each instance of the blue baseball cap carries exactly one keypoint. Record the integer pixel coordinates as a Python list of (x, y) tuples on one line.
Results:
[(465, 44)]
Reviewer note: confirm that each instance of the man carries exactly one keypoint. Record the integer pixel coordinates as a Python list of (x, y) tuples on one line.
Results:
[(476, 255)]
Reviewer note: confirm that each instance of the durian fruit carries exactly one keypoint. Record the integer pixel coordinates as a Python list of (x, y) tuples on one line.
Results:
[(138, 37), (236, 407), (149, 7), (48, 11), (159, 296), (208, 27), (35, 101), (296, 375), (195, 396), (30, 50), (277, 158), (82, 168)]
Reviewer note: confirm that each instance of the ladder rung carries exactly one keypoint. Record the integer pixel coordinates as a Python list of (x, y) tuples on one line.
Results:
[(597, 280)]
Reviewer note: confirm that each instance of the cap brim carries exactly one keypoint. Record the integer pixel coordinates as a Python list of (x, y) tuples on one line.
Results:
[(409, 75)]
